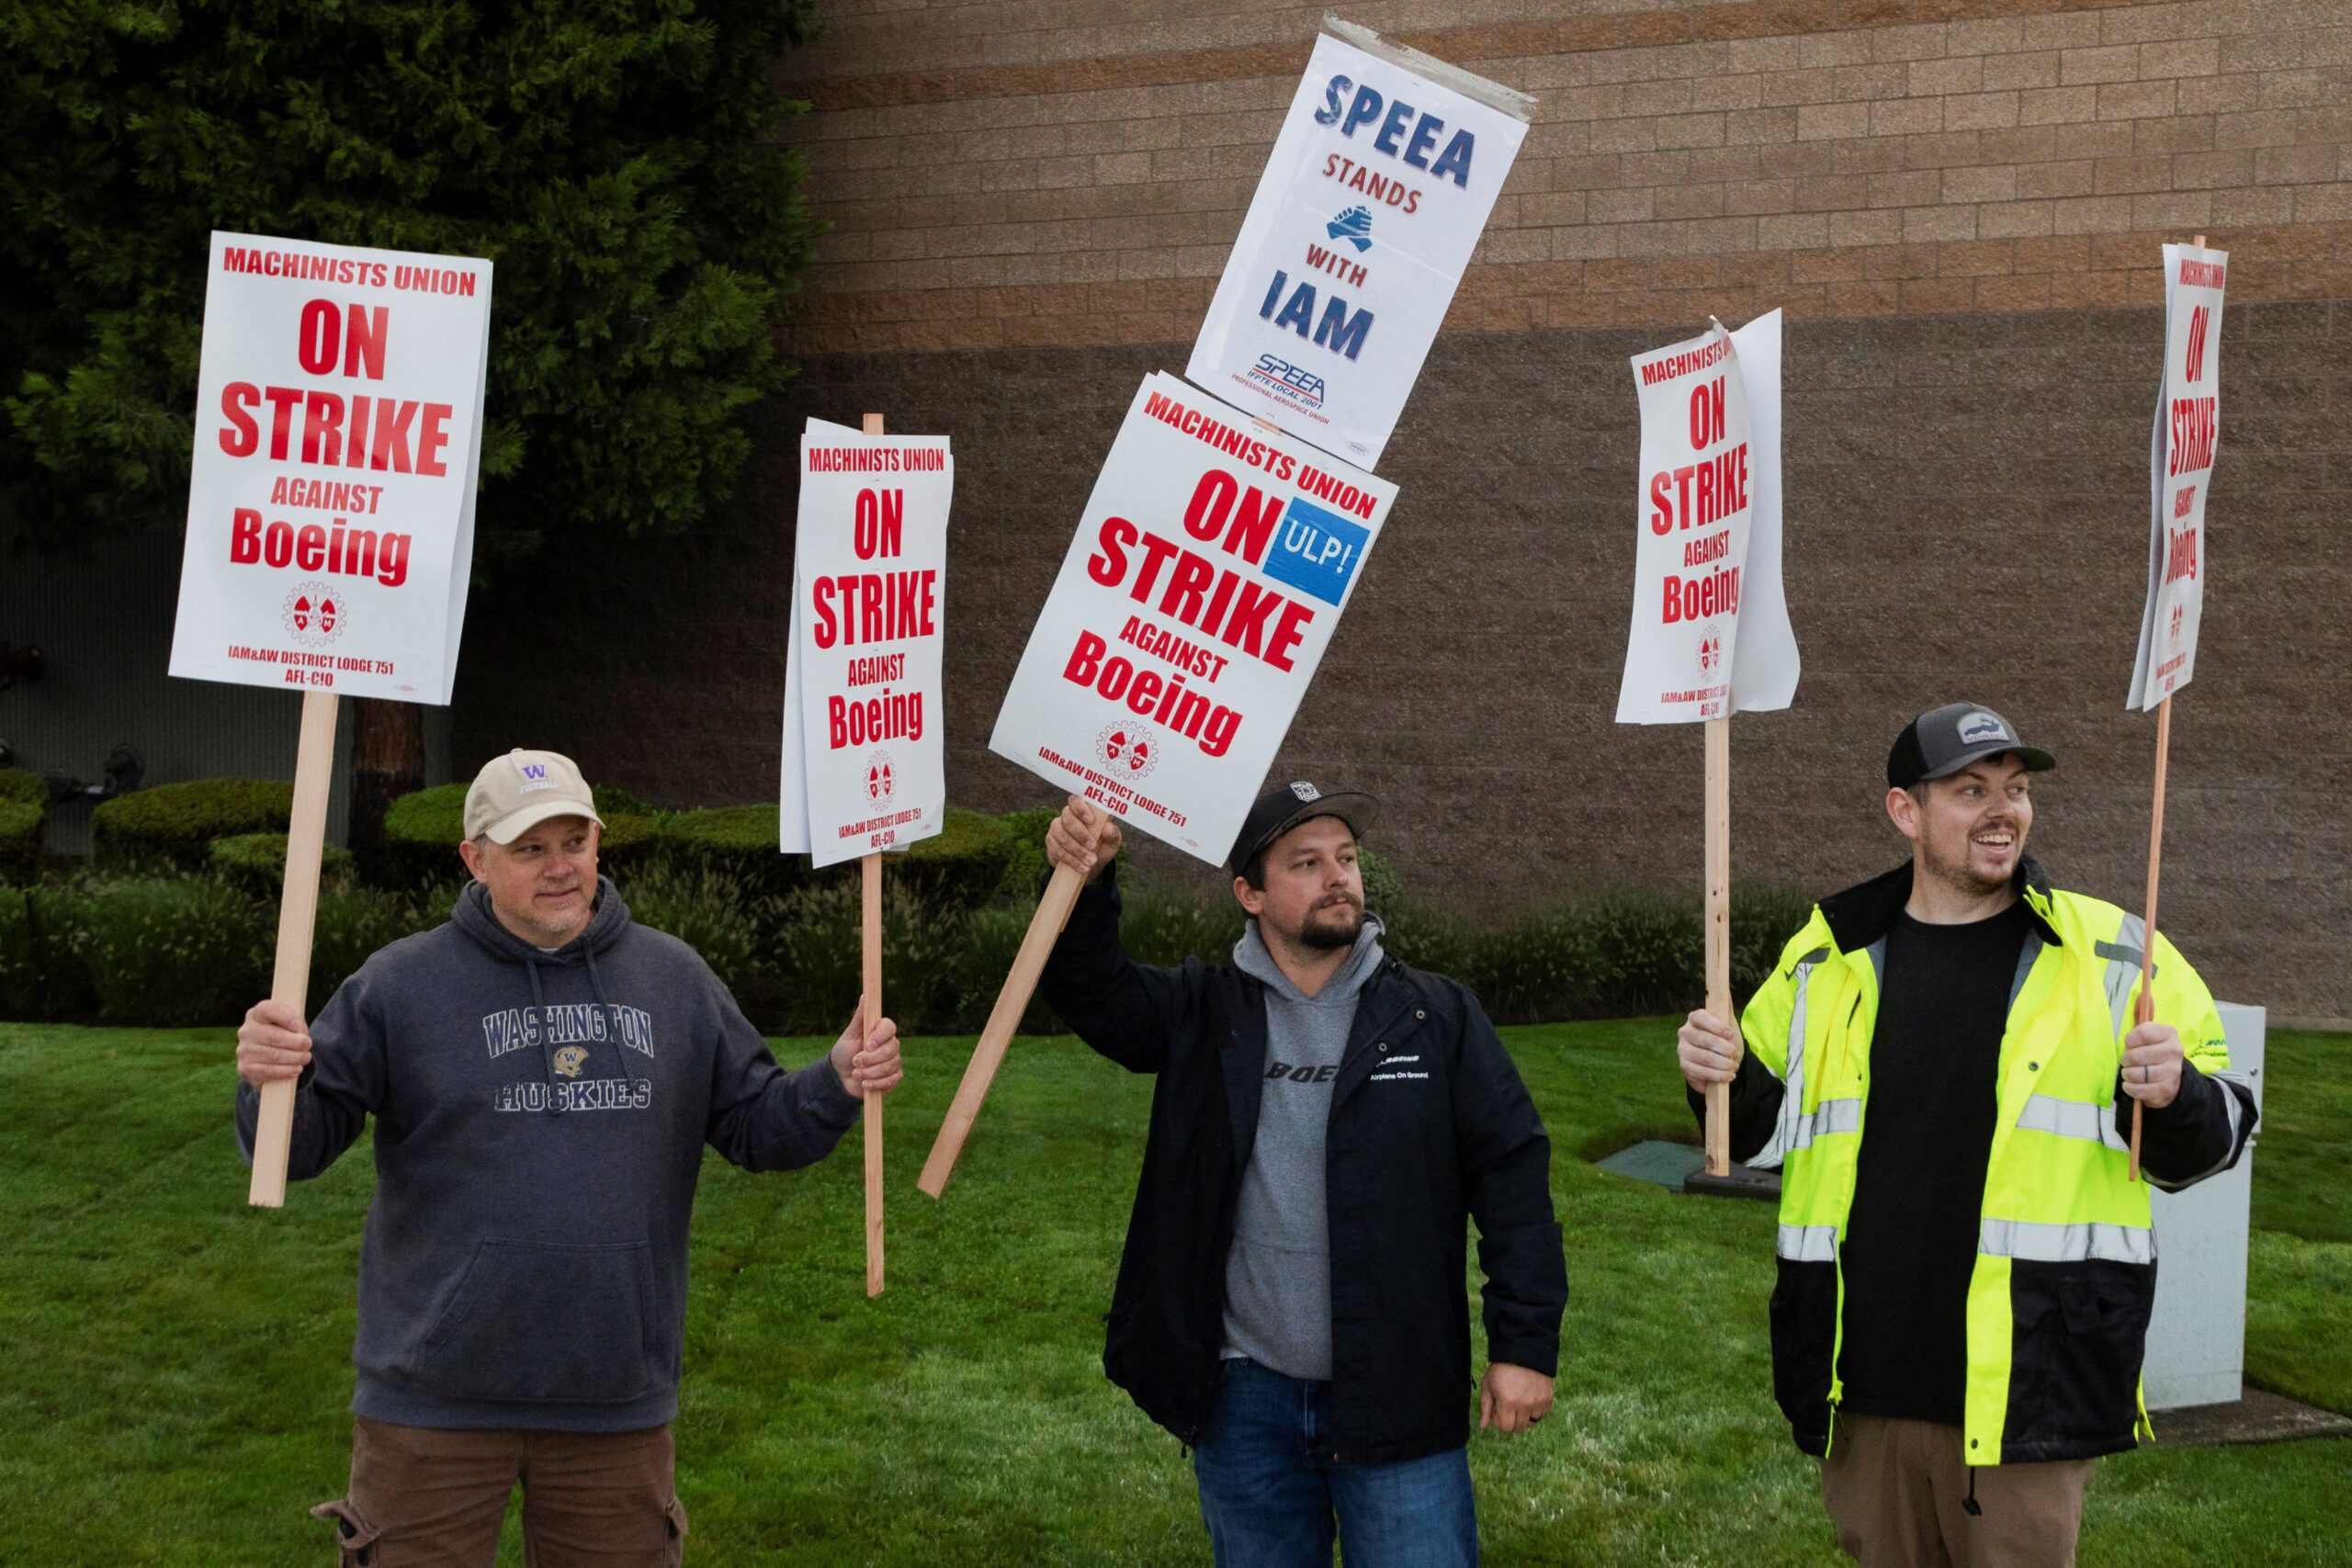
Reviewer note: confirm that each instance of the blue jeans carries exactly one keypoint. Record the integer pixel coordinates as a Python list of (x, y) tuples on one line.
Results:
[(1269, 1490)]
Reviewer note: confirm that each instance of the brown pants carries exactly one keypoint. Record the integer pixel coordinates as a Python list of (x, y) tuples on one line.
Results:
[(1897, 1491), (422, 1498)]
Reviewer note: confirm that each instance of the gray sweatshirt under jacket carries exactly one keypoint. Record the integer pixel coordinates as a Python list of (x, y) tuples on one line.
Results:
[(539, 1128), (1278, 1275)]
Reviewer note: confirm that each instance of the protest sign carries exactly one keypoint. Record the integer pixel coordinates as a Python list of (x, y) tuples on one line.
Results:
[(1381, 181), (863, 750), (1210, 567), (863, 681), (2188, 428), (1711, 633), (331, 502), (330, 519)]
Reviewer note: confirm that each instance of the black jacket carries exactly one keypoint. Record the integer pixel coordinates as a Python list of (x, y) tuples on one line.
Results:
[(1409, 1161)]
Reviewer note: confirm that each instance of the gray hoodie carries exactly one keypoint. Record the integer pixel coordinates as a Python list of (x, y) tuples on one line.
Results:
[(1278, 1274), (539, 1128)]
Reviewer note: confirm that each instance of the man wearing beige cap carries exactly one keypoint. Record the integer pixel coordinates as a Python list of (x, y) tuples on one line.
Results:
[(544, 1074)]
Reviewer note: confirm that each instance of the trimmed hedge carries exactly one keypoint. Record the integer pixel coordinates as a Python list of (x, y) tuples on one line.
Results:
[(1024, 870), (352, 923), (24, 812), (171, 826), (21, 825), (41, 973), (256, 863), (1382, 891), (736, 842), (960, 867), (174, 951)]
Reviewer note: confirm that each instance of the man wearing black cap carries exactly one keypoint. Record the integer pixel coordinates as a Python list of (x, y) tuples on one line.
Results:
[(1290, 1303), (1966, 1266)]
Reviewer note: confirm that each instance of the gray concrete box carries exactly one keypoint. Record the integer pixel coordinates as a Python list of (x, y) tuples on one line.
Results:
[(2197, 1336)]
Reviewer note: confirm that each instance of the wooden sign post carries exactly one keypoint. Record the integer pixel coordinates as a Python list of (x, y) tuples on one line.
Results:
[(1718, 1095), (298, 909), (2147, 1009), (1012, 1002)]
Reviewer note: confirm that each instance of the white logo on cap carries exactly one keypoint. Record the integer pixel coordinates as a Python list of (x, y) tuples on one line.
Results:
[(1305, 791), (1983, 726)]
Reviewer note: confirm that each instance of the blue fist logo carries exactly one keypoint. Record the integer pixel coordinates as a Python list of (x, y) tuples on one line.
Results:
[(1354, 226)]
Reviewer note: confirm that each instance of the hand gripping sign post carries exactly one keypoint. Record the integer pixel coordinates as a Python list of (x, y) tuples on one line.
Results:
[(1379, 185), (2188, 428), (1711, 632), (863, 763), (1210, 567), (330, 518)]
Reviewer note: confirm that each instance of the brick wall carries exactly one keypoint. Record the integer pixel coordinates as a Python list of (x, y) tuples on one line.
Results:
[(1032, 202), (1012, 175)]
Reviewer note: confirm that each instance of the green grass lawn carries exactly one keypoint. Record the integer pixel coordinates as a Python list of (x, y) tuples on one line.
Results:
[(177, 1373)]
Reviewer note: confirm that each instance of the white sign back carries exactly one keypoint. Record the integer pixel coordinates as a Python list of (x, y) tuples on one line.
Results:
[(2189, 429)]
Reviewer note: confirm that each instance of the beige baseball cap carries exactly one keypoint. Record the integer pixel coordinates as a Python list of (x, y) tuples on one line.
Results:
[(523, 789)]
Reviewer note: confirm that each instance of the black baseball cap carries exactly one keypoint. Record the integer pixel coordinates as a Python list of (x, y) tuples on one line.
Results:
[(1286, 806), (1944, 741)]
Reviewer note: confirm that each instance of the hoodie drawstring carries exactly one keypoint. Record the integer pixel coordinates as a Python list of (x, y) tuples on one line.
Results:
[(1970, 1507), (597, 989), (547, 1033)]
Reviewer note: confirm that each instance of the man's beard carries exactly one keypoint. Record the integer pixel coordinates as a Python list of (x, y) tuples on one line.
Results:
[(1964, 878), (1337, 925)]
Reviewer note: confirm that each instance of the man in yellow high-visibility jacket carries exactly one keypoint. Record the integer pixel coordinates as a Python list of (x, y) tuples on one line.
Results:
[(1965, 1268)]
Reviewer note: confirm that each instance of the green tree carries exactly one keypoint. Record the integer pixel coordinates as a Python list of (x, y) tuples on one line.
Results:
[(620, 163)]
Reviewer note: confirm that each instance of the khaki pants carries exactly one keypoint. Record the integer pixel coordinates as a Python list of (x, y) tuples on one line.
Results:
[(422, 1498), (1898, 1490)]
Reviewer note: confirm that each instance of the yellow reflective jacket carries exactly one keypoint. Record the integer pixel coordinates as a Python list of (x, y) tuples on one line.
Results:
[(2065, 1269)]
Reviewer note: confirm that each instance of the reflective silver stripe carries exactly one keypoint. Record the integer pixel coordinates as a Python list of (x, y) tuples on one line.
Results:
[(2237, 1106), (2066, 1118), (1829, 1116), (1808, 1243), (1784, 1132), (2028, 955), (2072, 1119), (2066, 1244), (2123, 956)]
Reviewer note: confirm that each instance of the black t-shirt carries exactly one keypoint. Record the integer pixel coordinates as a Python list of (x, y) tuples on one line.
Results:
[(1919, 1185)]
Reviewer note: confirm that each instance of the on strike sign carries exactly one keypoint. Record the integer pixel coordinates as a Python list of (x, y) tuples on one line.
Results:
[(1209, 570), (1379, 185), (864, 760), (330, 505), (2188, 426), (1709, 559)]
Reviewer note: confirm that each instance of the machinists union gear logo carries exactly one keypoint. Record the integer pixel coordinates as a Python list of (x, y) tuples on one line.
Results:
[(881, 778), (313, 614), (1354, 226), (1711, 654), (571, 1060), (1128, 750)]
